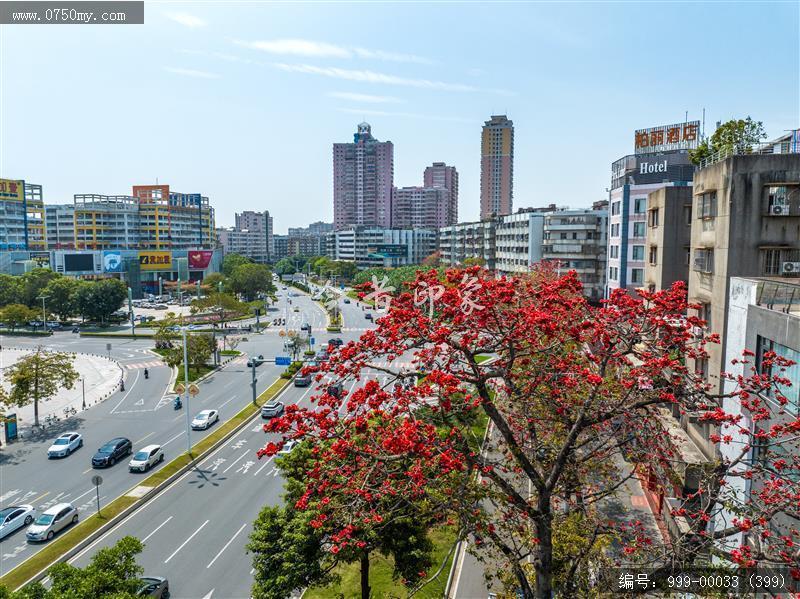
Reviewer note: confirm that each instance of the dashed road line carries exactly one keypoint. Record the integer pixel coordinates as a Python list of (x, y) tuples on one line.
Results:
[(186, 541), (211, 563), (144, 540)]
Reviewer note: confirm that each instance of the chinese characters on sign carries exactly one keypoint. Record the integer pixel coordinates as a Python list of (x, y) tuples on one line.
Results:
[(155, 260), (12, 190), (681, 136)]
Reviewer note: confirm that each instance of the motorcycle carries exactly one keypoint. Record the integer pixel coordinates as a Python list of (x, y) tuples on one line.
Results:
[(177, 404)]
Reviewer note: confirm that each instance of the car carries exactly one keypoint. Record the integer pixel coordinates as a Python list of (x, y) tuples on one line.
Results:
[(110, 453), (272, 409), (51, 521), (256, 360), (15, 517), (146, 458), (335, 390), (76, 330), (65, 445), (347, 300), (204, 419), (305, 327), (288, 447), (322, 355), (336, 342), (302, 381), (368, 316), (296, 309), (153, 586)]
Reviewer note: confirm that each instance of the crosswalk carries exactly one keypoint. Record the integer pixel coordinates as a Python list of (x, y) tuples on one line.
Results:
[(140, 365), (393, 365)]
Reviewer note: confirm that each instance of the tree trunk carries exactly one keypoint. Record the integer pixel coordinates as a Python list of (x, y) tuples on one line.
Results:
[(543, 556), (365, 590)]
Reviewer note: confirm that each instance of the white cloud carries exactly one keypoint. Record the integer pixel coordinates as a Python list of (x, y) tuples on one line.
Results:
[(392, 56), (411, 115), (185, 19), (297, 47), (192, 73), (373, 77), (369, 98)]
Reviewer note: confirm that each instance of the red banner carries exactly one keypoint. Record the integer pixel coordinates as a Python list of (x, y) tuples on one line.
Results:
[(199, 259)]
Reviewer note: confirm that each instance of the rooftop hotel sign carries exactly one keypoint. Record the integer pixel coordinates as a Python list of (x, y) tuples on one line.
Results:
[(12, 190), (680, 136)]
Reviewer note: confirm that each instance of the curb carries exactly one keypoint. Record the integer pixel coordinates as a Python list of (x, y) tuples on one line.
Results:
[(151, 494)]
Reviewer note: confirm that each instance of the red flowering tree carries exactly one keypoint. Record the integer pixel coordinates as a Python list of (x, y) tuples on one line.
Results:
[(567, 390)]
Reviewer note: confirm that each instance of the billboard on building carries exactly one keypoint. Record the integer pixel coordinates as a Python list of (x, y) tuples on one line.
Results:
[(199, 259), (12, 190), (643, 169), (41, 259), (665, 138), (78, 262), (155, 260), (112, 261)]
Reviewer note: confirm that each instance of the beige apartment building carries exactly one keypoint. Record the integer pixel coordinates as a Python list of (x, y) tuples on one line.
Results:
[(668, 237), (745, 223)]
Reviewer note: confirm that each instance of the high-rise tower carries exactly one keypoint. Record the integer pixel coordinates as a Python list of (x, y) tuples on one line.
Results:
[(497, 166)]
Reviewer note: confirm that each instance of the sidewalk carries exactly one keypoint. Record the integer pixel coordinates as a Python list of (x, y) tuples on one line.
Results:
[(100, 375)]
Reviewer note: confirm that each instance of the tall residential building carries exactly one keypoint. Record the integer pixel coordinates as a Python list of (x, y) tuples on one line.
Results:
[(421, 208), (259, 226), (475, 240), (363, 176), (441, 176), (105, 222), (518, 241), (22, 219), (576, 240), (60, 226), (172, 220), (376, 247), (497, 167), (668, 238), (316, 228)]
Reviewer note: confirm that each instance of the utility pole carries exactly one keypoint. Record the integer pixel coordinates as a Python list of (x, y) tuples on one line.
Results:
[(253, 383), (83, 392), (186, 385), (130, 311), (44, 312)]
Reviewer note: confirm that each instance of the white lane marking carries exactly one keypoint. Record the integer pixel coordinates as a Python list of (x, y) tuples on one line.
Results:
[(236, 460), (186, 541), (124, 397), (208, 595), (264, 466), (157, 529), (172, 439), (83, 494), (145, 437), (211, 563)]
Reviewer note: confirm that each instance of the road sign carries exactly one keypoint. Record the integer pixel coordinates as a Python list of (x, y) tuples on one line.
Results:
[(108, 347), (97, 480), (179, 389), (194, 390), (282, 361), (313, 341)]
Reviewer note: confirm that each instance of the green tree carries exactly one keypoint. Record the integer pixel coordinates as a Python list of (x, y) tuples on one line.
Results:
[(16, 315), (112, 573), (285, 267), (61, 296), (222, 304), (10, 290), (735, 135), (212, 282), (99, 300), (199, 348), (34, 282), (231, 261), (250, 280), (39, 376)]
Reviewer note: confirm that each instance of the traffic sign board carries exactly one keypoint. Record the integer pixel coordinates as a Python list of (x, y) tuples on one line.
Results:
[(313, 341), (97, 480), (282, 360)]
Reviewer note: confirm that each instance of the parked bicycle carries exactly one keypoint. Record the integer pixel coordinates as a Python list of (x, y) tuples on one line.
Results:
[(69, 411), (50, 419)]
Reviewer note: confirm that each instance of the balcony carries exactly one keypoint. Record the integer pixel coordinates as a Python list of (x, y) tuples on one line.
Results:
[(779, 296)]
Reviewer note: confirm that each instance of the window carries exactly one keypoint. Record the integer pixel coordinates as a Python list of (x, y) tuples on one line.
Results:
[(653, 254), (613, 273), (792, 373), (701, 368), (688, 252), (614, 208), (637, 275), (615, 230), (563, 236), (638, 252), (704, 313), (704, 260), (707, 205), (687, 215), (574, 235), (638, 229), (772, 262), (639, 205), (652, 217), (614, 251)]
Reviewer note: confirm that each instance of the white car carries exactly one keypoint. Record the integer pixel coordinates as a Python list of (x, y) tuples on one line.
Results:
[(204, 419), (146, 458), (52, 521), (65, 445), (288, 447), (15, 517)]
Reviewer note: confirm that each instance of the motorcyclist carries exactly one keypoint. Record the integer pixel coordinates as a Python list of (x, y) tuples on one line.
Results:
[(177, 402), (146, 373)]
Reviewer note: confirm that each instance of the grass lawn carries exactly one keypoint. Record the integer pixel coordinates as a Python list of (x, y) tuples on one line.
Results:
[(229, 352), (380, 578), (481, 358)]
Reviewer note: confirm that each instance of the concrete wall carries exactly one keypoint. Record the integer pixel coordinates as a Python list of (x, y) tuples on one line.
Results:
[(672, 236)]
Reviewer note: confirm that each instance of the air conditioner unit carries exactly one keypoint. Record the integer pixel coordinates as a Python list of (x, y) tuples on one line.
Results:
[(790, 268), (779, 210), (697, 331)]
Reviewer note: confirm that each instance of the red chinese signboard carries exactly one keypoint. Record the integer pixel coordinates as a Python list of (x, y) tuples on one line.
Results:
[(681, 136)]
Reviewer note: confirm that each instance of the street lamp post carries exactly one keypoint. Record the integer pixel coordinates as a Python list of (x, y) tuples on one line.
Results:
[(253, 383), (44, 312), (83, 393), (186, 391), (130, 311), (160, 286)]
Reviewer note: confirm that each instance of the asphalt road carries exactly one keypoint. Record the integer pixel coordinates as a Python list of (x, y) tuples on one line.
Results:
[(195, 532), (143, 413)]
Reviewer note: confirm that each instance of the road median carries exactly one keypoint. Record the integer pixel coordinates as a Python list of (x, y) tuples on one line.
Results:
[(89, 530)]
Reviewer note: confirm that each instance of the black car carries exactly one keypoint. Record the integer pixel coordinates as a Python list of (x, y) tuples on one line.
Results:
[(153, 586), (335, 390), (302, 381), (336, 342), (368, 316), (112, 452)]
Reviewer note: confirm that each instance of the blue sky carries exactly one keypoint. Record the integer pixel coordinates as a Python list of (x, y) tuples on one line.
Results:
[(242, 101)]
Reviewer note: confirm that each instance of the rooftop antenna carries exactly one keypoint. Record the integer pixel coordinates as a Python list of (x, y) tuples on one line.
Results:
[(686, 117), (703, 128)]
